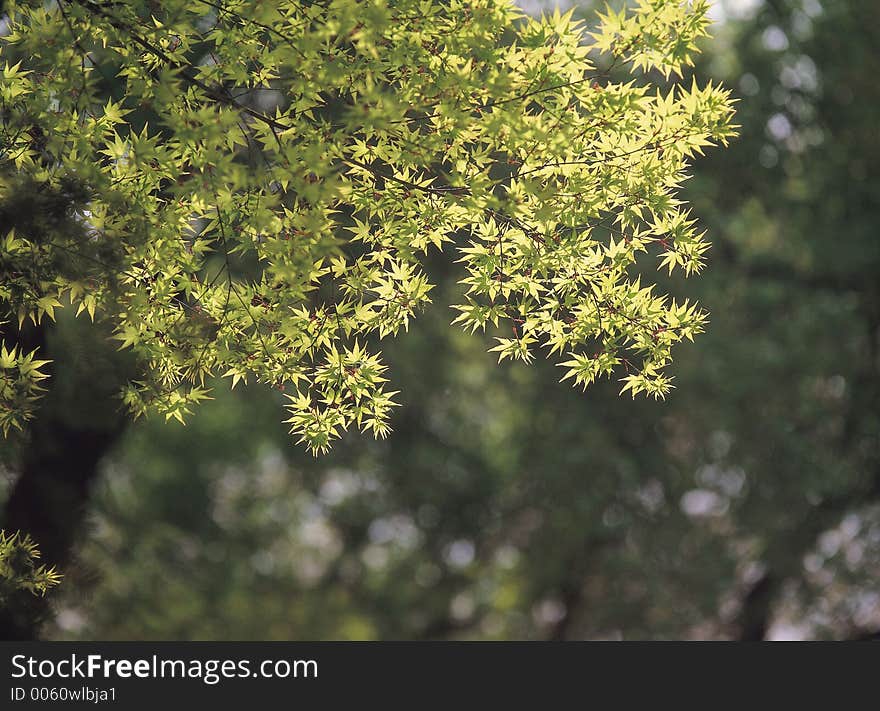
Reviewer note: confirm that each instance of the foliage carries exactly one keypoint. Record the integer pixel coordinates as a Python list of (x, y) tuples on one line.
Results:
[(20, 377), (258, 185), (18, 567), (505, 507)]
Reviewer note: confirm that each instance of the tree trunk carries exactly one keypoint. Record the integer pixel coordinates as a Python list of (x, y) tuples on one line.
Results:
[(71, 432)]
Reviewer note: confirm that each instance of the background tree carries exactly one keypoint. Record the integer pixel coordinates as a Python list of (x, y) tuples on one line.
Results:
[(505, 506)]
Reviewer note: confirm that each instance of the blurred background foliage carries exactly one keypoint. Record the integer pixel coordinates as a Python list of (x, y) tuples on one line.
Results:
[(508, 506)]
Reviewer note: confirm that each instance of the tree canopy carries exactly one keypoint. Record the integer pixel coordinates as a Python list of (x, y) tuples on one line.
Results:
[(252, 189), (503, 506)]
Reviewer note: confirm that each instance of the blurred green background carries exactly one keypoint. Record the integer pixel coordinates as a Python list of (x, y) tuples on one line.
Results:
[(508, 506)]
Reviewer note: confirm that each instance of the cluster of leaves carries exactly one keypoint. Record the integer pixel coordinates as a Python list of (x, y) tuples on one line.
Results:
[(20, 388), (19, 569), (264, 180)]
